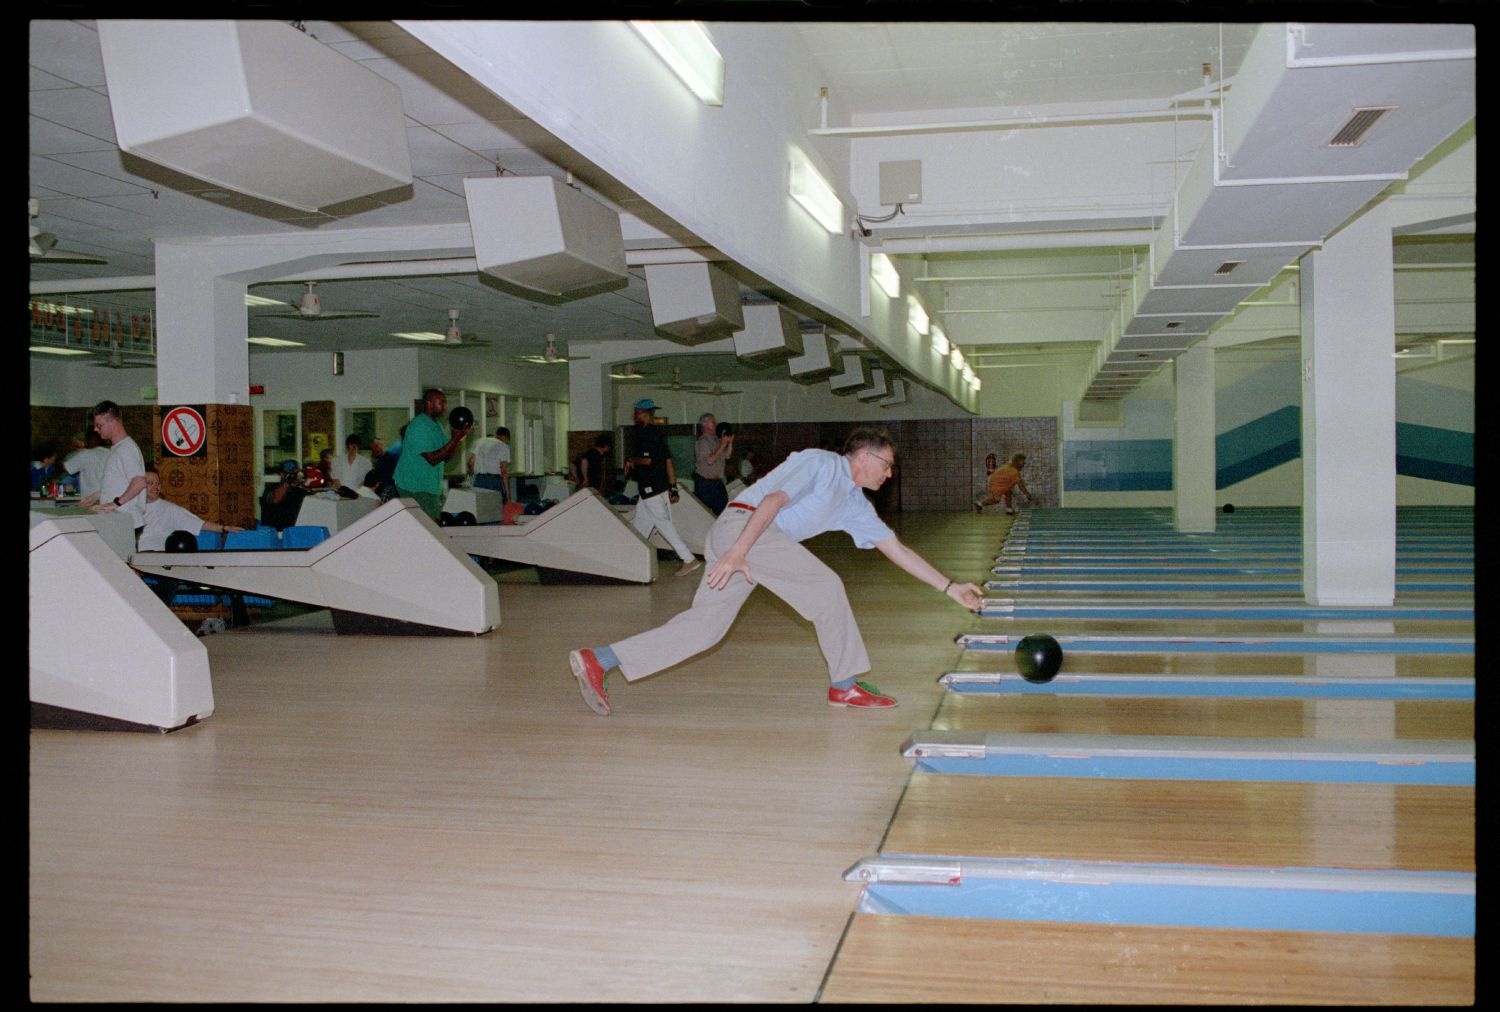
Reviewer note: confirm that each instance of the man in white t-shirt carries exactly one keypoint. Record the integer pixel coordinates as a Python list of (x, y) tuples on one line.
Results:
[(163, 518), (489, 462), (123, 484), (88, 463), (351, 466)]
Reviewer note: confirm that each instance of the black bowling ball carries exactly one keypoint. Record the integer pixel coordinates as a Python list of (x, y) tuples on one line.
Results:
[(1229, 507), (466, 519), (182, 541), (1038, 657), (445, 519), (723, 429), (461, 418)]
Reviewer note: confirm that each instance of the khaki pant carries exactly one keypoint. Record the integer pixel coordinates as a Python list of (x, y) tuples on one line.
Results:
[(783, 567), (656, 513)]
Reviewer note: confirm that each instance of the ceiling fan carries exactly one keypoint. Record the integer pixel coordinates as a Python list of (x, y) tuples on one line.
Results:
[(627, 372), (714, 389), (548, 356), (44, 245), (117, 360), (310, 307), (454, 337)]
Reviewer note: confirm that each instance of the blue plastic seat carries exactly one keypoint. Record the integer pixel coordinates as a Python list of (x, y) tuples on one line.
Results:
[(261, 537), (303, 536), (209, 541)]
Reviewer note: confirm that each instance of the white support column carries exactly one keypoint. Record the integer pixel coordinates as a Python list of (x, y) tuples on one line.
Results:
[(590, 394), (1194, 463), (201, 326), (1349, 417)]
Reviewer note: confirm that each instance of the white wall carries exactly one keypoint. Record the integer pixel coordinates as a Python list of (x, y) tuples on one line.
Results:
[(59, 383)]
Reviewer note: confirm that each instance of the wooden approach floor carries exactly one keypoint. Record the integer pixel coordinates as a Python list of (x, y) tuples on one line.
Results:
[(369, 819)]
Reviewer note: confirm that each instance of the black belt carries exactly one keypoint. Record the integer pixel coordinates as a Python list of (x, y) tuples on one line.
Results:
[(704, 477)]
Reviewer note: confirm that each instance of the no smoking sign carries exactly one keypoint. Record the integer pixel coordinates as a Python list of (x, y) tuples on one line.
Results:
[(183, 433)]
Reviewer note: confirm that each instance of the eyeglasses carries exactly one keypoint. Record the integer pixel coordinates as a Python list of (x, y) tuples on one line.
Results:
[(890, 464)]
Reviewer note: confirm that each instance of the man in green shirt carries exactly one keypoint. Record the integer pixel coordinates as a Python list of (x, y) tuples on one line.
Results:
[(424, 451)]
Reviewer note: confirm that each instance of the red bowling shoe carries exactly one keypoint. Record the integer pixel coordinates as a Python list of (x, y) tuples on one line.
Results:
[(861, 694), (591, 680)]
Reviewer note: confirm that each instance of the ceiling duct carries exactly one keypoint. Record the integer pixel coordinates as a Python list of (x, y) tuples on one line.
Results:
[(693, 303), (772, 334), (853, 377), (878, 390), (541, 235), (257, 107), (818, 361), (1271, 186), (900, 394)]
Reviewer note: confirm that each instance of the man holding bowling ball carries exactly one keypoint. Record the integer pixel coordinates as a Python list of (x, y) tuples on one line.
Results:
[(424, 451)]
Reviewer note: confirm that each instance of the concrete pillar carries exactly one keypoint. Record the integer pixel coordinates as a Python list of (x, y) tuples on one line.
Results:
[(590, 394), (1194, 464), (1349, 417)]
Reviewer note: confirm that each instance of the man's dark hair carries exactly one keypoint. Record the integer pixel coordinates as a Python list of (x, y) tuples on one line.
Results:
[(861, 439), (502, 431), (604, 440), (352, 440), (109, 408)]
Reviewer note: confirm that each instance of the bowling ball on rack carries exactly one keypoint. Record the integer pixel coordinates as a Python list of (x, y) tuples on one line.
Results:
[(1229, 507), (465, 519), (1038, 658), (445, 519), (461, 418), (181, 541)]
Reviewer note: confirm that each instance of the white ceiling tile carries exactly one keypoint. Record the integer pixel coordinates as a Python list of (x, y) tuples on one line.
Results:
[(67, 50), (58, 175), (76, 108), (434, 154), (48, 138)]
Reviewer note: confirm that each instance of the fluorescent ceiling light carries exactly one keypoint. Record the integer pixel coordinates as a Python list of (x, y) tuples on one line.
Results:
[(54, 307), (940, 340), (275, 342), (261, 300), (419, 335), (685, 47), (974, 381), (816, 197), (49, 350), (916, 315), (884, 273), (957, 358)]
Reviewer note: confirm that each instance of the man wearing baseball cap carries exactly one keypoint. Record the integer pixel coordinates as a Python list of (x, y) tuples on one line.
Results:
[(656, 478)]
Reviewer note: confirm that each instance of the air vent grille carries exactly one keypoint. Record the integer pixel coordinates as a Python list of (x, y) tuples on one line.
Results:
[(1352, 132)]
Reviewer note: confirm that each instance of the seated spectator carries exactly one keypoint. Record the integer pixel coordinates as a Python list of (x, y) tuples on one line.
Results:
[(87, 462), (164, 517), (351, 467), (281, 502), (43, 465)]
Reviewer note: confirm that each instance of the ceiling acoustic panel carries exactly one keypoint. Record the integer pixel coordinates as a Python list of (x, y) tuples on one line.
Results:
[(256, 107)]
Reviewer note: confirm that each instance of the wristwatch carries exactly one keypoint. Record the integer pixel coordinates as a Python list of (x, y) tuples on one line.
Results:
[(117, 500)]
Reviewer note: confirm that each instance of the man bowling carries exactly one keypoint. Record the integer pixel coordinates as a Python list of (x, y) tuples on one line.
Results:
[(757, 540)]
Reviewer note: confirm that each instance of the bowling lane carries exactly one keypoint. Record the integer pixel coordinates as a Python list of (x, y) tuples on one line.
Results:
[(1169, 628), (1244, 823), (1398, 665), (965, 960), (1329, 665), (1349, 719)]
